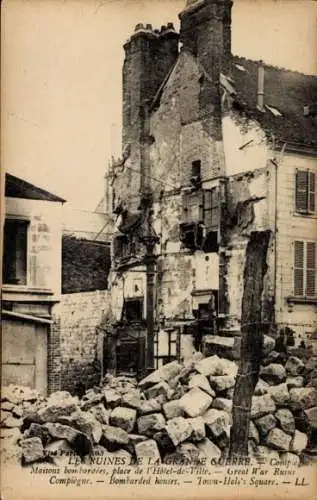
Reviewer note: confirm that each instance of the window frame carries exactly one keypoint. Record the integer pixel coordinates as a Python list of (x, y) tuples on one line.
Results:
[(305, 211), (305, 269), (26, 221)]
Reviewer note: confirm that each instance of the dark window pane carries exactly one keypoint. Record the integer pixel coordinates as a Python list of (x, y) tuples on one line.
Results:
[(15, 252)]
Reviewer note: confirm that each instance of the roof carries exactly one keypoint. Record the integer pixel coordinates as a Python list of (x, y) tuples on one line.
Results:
[(19, 188), (286, 91)]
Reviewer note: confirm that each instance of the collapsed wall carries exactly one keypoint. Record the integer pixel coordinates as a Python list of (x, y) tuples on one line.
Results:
[(180, 413)]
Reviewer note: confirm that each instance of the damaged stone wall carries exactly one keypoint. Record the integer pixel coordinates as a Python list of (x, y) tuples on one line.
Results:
[(180, 134), (247, 209), (78, 317)]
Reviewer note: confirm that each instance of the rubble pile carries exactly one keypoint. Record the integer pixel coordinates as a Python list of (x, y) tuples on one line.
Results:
[(180, 412)]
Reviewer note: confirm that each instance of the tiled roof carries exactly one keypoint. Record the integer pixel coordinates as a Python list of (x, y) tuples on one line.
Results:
[(287, 92)]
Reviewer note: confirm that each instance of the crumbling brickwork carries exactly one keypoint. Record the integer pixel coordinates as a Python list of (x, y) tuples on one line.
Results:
[(85, 265)]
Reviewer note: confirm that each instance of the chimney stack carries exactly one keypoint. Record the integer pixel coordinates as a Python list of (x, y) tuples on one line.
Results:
[(260, 91), (206, 32), (149, 56)]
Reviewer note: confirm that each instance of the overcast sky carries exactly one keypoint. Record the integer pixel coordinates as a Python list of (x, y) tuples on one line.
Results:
[(61, 78)]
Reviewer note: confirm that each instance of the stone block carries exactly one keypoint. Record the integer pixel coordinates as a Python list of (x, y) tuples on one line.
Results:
[(131, 399), (151, 423), (265, 424), (161, 389), (172, 409), (114, 438), (11, 421), (221, 383), (100, 413), (285, 420), (195, 402), (262, 405), (201, 381), (198, 429), (278, 440), (294, 366), (227, 347), (79, 441), (311, 415), (222, 404), (149, 406), (86, 423), (178, 429), (303, 398), (123, 417), (53, 412), (112, 397), (32, 450), (170, 370), (208, 366), (279, 393), (273, 373), (38, 430), (148, 450), (294, 382), (261, 388), (299, 442)]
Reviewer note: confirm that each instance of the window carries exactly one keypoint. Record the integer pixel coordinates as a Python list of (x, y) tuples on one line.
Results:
[(304, 268), (15, 252), (193, 207), (305, 191), (133, 310), (200, 219), (211, 209)]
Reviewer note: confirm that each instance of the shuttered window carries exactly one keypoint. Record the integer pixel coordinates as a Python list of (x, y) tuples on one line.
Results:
[(305, 191), (310, 269), (304, 268)]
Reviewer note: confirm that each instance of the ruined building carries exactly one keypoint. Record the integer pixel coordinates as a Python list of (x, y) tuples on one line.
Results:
[(214, 148)]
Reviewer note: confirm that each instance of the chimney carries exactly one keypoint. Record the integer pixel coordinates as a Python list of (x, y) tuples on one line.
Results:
[(206, 33), (149, 55), (260, 91)]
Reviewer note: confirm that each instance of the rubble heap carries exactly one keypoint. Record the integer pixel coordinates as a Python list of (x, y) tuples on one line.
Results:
[(180, 412)]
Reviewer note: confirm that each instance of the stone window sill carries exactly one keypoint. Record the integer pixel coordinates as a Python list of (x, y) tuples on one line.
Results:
[(26, 289)]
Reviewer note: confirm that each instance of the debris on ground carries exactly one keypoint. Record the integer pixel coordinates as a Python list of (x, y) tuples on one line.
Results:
[(182, 411)]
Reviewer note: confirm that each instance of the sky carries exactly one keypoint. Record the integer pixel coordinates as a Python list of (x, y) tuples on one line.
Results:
[(61, 78)]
